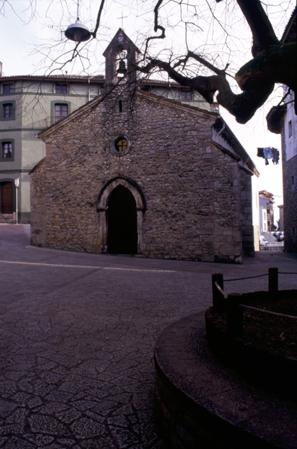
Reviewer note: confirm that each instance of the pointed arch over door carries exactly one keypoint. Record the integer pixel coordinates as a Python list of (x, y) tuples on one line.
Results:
[(121, 222), (121, 206)]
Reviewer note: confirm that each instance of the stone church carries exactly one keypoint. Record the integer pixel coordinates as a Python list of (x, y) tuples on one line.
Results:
[(132, 172)]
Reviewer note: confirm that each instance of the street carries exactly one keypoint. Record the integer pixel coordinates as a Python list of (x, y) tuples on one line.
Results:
[(77, 335)]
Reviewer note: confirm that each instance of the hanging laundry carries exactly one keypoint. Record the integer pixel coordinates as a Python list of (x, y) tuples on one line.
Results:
[(269, 153)]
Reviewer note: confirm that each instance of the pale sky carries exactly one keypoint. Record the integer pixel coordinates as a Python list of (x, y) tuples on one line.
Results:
[(31, 39)]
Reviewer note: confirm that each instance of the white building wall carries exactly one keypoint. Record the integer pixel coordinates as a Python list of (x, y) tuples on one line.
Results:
[(290, 129)]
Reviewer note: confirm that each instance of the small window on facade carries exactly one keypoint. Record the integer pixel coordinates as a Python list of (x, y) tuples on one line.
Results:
[(7, 111), (293, 180), (61, 88), (121, 144), (120, 105), (8, 88), (60, 111), (6, 150), (290, 128)]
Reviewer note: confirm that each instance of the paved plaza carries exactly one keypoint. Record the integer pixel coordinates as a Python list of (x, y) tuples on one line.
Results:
[(77, 335)]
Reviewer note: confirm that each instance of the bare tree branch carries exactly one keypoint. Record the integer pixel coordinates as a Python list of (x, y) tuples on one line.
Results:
[(261, 28), (98, 18), (256, 78), (273, 62), (157, 26)]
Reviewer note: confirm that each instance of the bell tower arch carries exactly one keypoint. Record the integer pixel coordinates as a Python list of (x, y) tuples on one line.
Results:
[(120, 59)]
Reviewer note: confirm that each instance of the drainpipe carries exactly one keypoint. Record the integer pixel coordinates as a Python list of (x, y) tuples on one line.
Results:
[(17, 185)]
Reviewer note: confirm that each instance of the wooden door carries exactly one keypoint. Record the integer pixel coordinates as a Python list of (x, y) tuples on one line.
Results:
[(6, 198), (122, 222)]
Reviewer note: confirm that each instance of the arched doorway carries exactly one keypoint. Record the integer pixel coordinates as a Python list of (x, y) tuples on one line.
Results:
[(108, 199), (121, 222), (6, 198)]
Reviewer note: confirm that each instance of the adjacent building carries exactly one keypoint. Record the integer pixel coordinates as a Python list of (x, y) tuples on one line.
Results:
[(283, 119), (289, 151), (28, 104), (136, 173), (281, 218)]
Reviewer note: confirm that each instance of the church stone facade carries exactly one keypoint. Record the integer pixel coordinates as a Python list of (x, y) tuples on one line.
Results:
[(132, 172)]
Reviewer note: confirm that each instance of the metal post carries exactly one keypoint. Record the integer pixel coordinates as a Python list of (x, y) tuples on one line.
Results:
[(17, 185), (217, 289), (273, 280)]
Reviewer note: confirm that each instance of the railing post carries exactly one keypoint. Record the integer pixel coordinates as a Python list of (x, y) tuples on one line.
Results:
[(273, 280), (217, 295)]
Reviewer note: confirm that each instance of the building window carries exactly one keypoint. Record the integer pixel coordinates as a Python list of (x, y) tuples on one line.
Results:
[(8, 88), (61, 88), (61, 111), (8, 111), (121, 145), (6, 150)]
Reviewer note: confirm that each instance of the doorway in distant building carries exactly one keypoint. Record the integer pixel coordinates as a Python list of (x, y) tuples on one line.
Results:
[(6, 198), (121, 222)]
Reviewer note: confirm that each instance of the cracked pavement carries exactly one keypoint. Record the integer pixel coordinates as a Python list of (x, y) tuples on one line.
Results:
[(77, 335)]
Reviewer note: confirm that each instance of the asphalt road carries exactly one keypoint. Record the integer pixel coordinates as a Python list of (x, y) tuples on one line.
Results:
[(77, 334)]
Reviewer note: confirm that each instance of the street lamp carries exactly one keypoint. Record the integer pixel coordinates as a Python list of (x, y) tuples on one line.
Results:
[(77, 32)]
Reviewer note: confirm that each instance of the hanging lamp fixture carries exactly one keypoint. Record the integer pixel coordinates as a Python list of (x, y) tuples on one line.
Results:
[(77, 32)]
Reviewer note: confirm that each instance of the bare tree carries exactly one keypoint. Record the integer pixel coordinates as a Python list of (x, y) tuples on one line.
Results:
[(273, 61)]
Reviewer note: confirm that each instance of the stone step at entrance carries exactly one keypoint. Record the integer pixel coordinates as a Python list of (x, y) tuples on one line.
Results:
[(8, 218)]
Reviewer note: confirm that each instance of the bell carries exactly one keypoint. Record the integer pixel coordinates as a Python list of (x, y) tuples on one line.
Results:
[(122, 68), (77, 32)]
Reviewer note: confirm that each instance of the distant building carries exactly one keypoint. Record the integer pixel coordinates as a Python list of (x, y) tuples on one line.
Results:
[(266, 201), (134, 172)]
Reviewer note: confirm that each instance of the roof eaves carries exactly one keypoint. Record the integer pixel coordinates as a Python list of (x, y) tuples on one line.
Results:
[(175, 103), (64, 78), (230, 137), (161, 83)]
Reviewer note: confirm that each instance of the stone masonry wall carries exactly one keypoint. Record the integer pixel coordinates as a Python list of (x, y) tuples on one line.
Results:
[(192, 202), (246, 211)]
